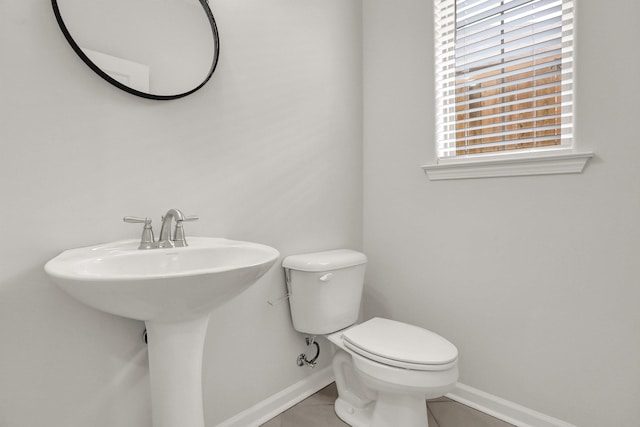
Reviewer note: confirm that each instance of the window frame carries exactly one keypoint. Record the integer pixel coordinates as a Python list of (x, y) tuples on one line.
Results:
[(561, 159)]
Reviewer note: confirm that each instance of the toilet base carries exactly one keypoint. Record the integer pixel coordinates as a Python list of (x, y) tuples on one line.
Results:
[(388, 410)]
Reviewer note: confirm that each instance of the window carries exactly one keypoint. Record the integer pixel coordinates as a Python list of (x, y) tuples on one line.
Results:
[(504, 82)]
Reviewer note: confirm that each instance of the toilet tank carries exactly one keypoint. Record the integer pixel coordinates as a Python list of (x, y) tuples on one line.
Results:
[(325, 289)]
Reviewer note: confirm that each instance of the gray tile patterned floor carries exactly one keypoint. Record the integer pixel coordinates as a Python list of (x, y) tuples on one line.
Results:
[(317, 411)]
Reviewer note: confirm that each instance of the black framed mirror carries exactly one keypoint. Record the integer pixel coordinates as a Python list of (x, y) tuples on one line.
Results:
[(156, 49)]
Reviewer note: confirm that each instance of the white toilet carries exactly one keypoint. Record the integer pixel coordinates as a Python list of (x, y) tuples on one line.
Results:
[(384, 369)]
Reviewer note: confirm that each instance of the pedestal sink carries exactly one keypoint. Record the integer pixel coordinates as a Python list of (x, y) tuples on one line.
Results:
[(172, 290)]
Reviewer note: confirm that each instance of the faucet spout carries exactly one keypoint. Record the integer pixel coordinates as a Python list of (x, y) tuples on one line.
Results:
[(165, 240)]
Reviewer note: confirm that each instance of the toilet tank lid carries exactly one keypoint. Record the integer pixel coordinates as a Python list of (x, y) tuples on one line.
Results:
[(325, 261)]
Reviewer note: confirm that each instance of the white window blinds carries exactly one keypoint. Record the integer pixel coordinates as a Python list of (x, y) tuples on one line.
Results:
[(503, 75)]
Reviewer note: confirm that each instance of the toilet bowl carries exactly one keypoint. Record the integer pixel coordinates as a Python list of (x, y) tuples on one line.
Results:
[(384, 369)]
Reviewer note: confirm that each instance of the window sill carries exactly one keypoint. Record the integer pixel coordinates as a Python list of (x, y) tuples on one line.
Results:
[(513, 165)]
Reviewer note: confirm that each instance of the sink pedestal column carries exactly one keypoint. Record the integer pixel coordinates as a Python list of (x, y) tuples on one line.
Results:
[(175, 372)]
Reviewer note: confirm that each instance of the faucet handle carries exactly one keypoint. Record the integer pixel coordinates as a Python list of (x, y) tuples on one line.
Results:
[(137, 219), (147, 240), (185, 218), (179, 239)]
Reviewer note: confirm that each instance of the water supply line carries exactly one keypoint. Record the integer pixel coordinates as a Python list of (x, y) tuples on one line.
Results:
[(302, 358)]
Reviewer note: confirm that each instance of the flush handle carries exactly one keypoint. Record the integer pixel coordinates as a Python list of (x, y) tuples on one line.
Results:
[(326, 277)]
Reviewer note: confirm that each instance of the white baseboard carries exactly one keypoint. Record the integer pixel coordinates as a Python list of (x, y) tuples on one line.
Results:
[(505, 410), (263, 411), (495, 406)]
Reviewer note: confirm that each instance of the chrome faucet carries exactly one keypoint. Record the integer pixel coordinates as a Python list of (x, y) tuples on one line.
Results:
[(166, 239)]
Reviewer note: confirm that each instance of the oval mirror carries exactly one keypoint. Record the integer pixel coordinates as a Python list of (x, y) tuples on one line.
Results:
[(158, 49)]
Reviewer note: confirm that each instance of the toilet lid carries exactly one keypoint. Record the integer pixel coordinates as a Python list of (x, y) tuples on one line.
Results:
[(399, 344)]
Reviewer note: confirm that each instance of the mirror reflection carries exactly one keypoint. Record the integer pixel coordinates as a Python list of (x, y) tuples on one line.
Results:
[(160, 49)]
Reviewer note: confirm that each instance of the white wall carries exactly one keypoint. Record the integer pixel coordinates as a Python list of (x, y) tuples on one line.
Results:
[(269, 151), (539, 294), (535, 279)]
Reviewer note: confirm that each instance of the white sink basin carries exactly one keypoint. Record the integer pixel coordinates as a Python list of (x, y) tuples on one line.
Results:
[(173, 291), (160, 284)]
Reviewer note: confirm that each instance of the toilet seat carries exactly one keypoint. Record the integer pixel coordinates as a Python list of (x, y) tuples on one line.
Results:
[(400, 345)]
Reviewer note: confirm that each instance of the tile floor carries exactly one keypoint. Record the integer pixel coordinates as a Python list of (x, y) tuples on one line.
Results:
[(317, 411)]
